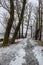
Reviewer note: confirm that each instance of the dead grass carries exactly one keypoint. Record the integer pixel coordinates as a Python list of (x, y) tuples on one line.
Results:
[(40, 43), (7, 45)]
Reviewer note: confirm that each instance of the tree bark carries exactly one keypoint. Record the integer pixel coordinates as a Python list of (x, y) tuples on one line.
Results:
[(36, 34), (41, 22), (10, 22), (22, 29)]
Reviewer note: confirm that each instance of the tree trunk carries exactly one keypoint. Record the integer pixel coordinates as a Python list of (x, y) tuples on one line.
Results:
[(27, 29), (22, 29), (41, 22), (28, 23), (10, 22), (19, 33), (20, 21), (36, 30), (39, 19)]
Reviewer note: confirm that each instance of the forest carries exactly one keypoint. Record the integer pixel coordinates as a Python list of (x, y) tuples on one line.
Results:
[(21, 32)]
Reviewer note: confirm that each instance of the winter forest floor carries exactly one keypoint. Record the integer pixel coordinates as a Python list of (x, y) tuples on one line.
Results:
[(26, 52)]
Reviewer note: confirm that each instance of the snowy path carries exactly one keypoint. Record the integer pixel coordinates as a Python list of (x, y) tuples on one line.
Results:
[(12, 55), (39, 54), (18, 54), (38, 51)]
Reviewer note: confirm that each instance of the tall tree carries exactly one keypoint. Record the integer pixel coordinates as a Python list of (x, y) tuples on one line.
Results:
[(22, 29), (28, 22), (20, 21), (10, 22), (40, 20), (36, 32), (29, 16)]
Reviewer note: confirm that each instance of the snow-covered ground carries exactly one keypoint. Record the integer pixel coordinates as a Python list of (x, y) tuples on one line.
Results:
[(13, 55), (27, 52), (38, 52)]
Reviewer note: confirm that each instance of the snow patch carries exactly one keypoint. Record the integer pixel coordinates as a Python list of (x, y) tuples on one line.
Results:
[(19, 59), (38, 54), (14, 54)]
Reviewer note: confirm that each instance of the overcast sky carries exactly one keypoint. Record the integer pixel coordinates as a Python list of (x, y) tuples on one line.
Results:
[(34, 3)]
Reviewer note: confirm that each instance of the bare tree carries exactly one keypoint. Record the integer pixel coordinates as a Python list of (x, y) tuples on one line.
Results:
[(20, 21), (4, 5), (30, 10), (40, 19), (10, 22)]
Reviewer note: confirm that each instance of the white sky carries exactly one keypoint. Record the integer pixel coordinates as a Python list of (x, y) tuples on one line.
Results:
[(35, 2)]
